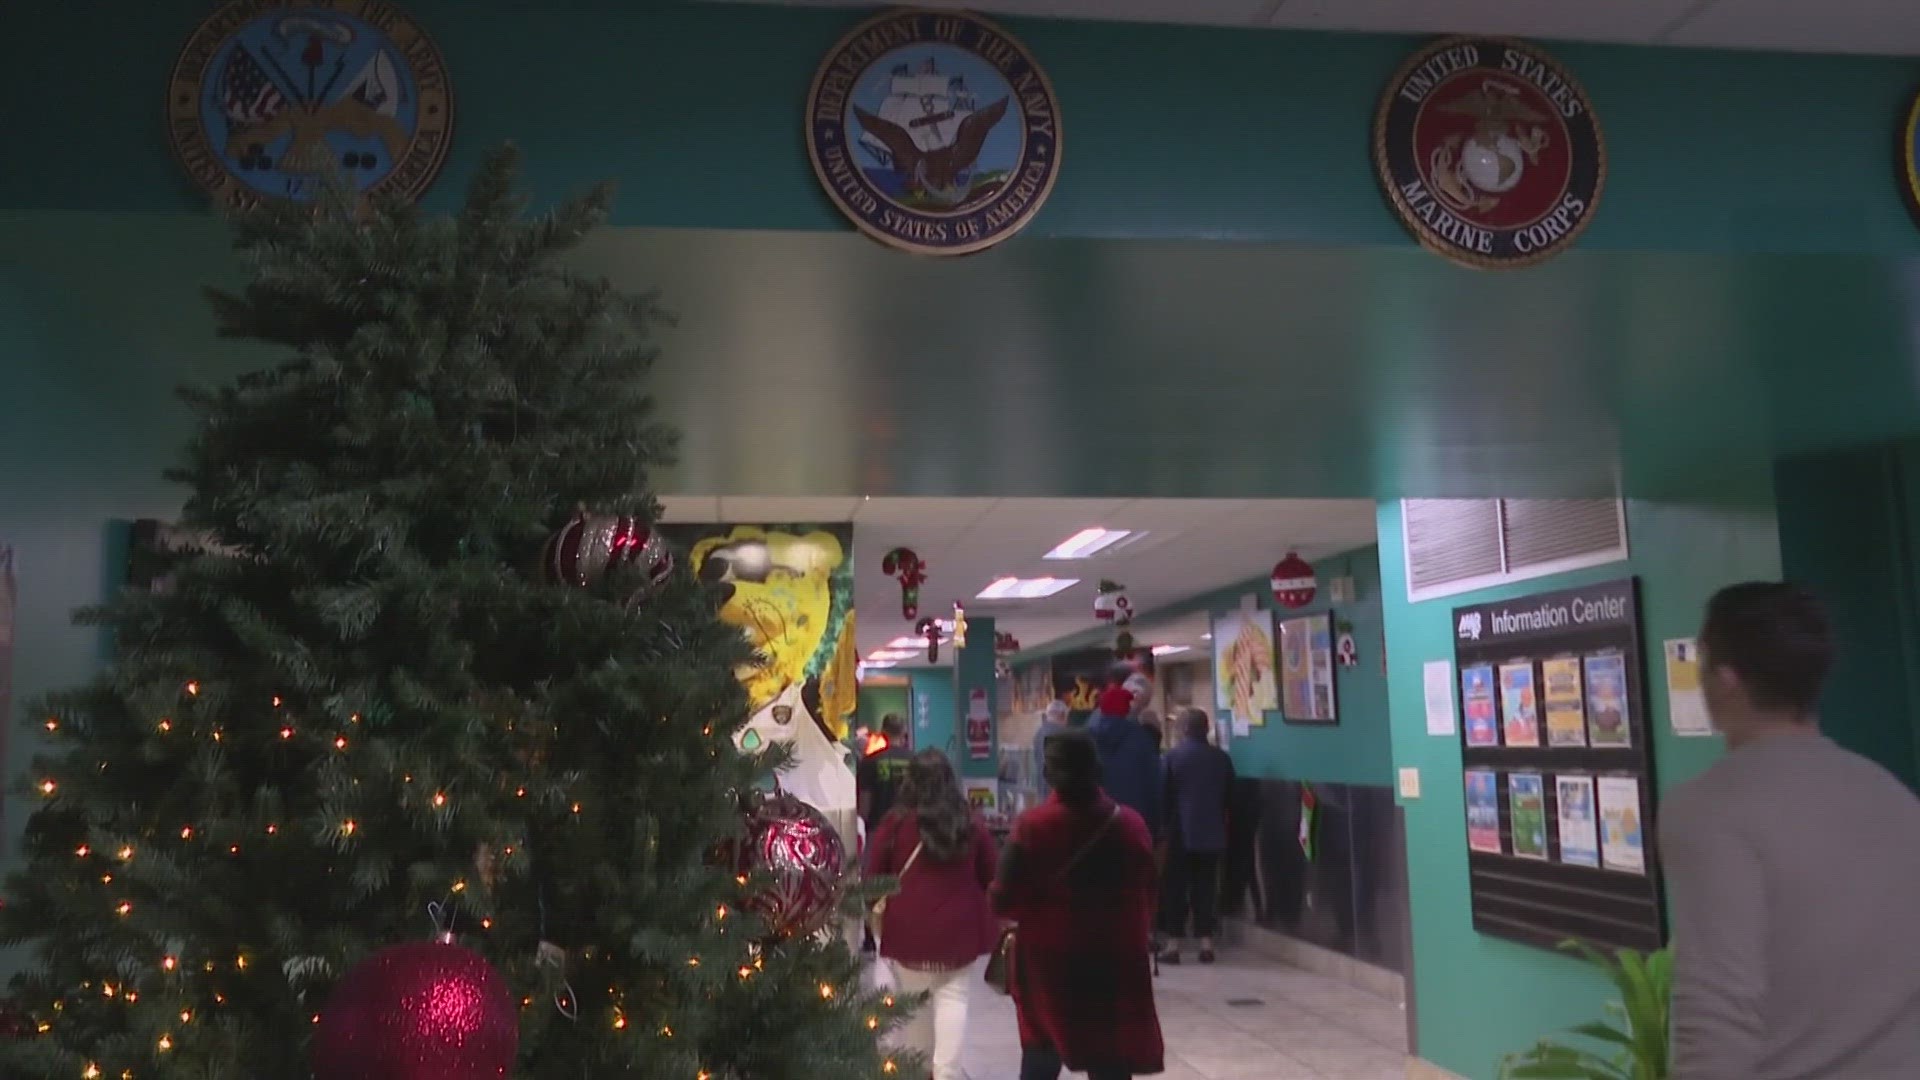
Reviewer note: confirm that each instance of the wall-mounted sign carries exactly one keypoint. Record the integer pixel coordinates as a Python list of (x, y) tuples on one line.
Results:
[(1489, 151), (268, 100), (935, 132)]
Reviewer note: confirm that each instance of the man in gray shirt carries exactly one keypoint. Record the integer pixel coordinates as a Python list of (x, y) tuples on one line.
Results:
[(1794, 870)]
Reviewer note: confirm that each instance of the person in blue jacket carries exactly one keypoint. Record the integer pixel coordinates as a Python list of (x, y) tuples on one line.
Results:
[(1129, 756)]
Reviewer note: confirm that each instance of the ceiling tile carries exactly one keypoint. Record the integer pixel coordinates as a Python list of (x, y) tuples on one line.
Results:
[(1616, 20), (1855, 26)]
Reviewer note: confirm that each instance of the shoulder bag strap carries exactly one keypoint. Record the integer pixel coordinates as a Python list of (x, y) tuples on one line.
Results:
[(1091, 842), (908, 865)]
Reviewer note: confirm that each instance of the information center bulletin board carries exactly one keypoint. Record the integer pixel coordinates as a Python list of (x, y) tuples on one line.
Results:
[(1556, 743)]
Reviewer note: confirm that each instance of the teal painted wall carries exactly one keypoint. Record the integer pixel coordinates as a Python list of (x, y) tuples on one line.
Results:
[(1850, 531), (935, 710), (1478, 997), (694, 108), (1358, 750)]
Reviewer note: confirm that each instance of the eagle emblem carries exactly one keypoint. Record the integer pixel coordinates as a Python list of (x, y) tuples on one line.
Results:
[(271, 107), (935, 132), (1489, 151)]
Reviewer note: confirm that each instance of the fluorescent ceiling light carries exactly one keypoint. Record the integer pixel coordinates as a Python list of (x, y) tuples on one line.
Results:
[(1087, 543), (893, 654), (907, 643), (1206, 637), (1013, 588), (1169, 650), (879, 663)]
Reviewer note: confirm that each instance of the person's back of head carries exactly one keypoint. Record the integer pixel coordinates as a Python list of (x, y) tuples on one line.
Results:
[(1115, 701), (893, 727), (1766, 648), (1195, 724), (1056, 713), (931, 793), (1072, 767)]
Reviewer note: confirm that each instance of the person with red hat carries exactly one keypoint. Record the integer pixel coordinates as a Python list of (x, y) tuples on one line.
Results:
[(1129, 755)]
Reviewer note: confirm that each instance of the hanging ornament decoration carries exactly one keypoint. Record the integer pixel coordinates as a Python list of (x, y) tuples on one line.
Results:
[(803, 860), (906, 566), (1345, 649), (959, 631), (268, 100), (1294, 585), (591, 546), (420, 1011), (929, 628), (1110, 604), (1005, 644)]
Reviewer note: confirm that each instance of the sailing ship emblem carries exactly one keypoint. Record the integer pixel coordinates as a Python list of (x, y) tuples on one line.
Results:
[(934, 131), (1489, 152), (269, 104)]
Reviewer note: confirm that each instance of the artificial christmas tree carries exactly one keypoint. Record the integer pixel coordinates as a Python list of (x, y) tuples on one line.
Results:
[(370, 700)]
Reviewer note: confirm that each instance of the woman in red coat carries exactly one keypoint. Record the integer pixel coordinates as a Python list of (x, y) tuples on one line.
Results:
[(939, 922), (1078, 876)]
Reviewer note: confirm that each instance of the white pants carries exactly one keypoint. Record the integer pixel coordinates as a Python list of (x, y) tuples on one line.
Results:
[(937, 1029)]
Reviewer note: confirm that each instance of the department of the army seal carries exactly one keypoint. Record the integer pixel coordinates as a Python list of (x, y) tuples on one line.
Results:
[(934, 131), (1489, 151), (268, 99)]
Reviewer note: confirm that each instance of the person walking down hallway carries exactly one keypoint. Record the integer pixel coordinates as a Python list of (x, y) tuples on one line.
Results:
[(1199, 784), (1078, 877), (1129, 756), (881, 772), (1052, 722), (940, 921), (1793, 866)]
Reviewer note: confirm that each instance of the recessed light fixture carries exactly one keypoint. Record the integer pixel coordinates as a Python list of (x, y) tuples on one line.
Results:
[(879, 663), (1206, 637), (1169, 650), (1013, 588), (1087, 543)]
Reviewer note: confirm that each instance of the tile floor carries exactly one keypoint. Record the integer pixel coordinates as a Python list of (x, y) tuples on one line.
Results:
[(1245, 1018)]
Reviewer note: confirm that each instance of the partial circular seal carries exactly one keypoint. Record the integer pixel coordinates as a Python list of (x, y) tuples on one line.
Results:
[(1489, 151), (267, 100), (935, 132)]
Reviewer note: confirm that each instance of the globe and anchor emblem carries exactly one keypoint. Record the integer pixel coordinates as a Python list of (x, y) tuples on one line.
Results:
[(1473, 171)]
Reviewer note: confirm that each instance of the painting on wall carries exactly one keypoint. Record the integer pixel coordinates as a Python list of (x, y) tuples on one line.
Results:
[(1243, 675), (1078, 678), (1306, 670), (789, 588), (1032, 689), (156, 547)]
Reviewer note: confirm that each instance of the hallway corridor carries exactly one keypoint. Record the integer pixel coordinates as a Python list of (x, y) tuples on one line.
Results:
[(1241, 1019)]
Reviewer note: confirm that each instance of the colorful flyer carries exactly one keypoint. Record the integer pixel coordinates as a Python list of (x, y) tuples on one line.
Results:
[(1686, 702), (1477, 701), (1519, 707), (1527, 803), (1621, 846), (1609, 724), (1579, 829), (1483, 811), (1566, 714)]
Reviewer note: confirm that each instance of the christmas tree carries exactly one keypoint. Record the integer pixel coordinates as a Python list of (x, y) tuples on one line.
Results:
[(364, 696)]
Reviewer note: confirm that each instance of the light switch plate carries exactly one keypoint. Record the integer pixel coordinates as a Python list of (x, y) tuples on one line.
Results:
[(1409, 783)]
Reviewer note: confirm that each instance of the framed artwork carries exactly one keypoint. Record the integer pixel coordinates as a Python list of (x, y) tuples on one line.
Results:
[(1243, 678), (1306, 670)]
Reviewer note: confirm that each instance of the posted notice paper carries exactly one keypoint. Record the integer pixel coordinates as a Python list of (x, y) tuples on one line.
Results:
[(1438, 679), (1686, 703)]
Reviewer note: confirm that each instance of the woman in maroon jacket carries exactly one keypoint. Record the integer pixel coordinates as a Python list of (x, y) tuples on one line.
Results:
[(939, 922), (1078, 876)]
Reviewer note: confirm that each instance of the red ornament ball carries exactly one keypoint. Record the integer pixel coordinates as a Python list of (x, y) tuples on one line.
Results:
[(803, 856), (591, 546), (422, 1011), (1293, 582)]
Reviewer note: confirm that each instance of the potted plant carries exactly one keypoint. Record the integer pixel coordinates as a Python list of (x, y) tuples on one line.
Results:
[(1630, 1044)]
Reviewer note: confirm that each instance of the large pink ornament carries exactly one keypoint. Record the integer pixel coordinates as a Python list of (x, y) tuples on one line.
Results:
[(802, 855), (422, 1011), (1293, 582)]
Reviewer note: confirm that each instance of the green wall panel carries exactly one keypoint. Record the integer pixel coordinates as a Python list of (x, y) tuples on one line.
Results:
[(1478, 997), (1170, 132)]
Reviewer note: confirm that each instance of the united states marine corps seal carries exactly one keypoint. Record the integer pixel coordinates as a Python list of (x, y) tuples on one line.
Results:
[(269, 99), (1489, 151), (934, 131)]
